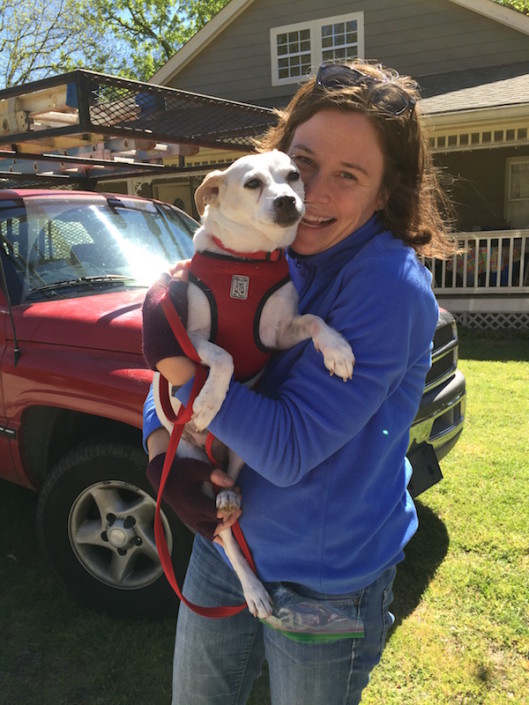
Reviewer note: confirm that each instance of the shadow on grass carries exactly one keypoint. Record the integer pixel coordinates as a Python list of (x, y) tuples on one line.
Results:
[(500, 346), (55, 651), (424, 554)]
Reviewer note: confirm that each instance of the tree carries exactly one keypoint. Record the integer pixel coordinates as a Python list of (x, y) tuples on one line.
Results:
[(131, 38), (154, 30), (520, 5), (40, 38)]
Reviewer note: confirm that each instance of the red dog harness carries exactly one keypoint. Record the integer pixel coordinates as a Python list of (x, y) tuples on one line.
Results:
[(237, 288)]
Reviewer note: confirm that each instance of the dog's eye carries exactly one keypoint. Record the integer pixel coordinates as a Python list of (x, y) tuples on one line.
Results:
[(253, 183), (293, 177)]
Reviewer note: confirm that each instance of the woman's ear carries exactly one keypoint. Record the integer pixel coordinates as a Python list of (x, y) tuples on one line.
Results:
[(382, 200)]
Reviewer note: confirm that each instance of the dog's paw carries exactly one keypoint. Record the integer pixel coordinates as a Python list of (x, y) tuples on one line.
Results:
[(228, 501), (258, 600), (338, 358)]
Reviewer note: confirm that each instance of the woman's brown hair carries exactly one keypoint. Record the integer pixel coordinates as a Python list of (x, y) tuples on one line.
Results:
[(417, 210)]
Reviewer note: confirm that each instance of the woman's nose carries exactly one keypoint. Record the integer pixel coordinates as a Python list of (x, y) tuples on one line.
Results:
[(315, 188)]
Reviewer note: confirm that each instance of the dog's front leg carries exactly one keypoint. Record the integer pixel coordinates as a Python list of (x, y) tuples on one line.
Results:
[(337, 354), (255, 594), (258, 600), (215, 388)]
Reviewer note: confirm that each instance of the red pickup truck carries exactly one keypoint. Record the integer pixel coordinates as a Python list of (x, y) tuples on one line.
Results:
[(75, 269)]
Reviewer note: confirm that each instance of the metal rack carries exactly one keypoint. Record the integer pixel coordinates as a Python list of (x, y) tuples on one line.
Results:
[(83, 127)]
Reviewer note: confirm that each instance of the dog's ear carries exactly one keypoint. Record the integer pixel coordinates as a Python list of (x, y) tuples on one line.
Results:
[(208, 191)]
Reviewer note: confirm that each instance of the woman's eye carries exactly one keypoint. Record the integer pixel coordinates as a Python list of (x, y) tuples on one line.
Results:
[(253, 184), (348, 176), (300, 159)]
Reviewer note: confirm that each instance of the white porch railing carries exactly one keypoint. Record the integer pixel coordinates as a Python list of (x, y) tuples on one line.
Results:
[(487, 286), (495, 262)]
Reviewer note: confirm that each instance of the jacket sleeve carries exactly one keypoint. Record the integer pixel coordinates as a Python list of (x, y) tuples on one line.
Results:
[(303, 415), (158, 339)]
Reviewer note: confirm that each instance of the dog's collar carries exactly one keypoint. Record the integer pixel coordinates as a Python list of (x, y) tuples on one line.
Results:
[(262, 255)]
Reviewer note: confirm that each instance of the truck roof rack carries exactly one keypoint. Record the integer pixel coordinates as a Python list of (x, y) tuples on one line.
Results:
[(82, 127)]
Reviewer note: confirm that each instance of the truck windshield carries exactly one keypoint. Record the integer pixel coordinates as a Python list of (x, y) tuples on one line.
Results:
[(51, 245)]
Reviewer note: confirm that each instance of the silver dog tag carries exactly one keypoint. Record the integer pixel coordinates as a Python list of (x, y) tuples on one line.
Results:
[(239, 287)]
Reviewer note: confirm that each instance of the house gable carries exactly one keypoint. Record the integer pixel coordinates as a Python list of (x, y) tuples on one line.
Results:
[(418, 37), (498, 13)]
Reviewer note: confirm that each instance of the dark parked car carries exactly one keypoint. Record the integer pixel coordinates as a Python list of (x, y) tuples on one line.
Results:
[(75, 269)]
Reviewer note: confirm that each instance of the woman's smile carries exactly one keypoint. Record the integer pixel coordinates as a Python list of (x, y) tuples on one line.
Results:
[(316, 222)]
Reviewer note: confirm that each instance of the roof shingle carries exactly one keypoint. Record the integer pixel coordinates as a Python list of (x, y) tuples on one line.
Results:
[(485, 87)]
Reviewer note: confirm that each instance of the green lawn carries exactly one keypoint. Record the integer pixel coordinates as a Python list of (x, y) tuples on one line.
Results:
[(466, 637), (462, 596)]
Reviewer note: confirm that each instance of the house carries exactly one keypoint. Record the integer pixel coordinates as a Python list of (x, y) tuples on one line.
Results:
[(471, 61)]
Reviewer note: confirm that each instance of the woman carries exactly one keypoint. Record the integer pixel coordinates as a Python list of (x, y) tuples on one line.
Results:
[(326, 509)]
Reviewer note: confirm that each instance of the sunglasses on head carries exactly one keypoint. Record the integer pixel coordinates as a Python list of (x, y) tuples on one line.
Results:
[(385, 95)]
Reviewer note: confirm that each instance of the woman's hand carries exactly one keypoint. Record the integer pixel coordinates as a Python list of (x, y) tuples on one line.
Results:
[(180, 270), (221, 481), (184, 493)]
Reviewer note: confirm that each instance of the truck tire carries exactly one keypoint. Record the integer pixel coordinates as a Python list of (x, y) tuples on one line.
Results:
[(95, 518)]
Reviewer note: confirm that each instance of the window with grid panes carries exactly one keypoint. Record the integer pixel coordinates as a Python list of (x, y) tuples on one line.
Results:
[(298, 49), (517, 192)]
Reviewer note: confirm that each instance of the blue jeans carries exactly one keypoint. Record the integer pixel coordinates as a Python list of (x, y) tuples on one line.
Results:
[(217, 660)]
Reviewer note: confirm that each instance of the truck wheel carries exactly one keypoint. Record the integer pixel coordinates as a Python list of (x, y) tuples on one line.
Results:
[(95, 517)]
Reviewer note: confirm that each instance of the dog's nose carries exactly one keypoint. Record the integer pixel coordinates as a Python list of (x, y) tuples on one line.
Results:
[(286, 210)]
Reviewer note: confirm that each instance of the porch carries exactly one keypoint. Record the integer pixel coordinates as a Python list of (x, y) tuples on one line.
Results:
[(487, 286)]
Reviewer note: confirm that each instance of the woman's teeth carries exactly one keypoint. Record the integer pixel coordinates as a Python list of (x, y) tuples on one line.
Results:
[(313, 221)]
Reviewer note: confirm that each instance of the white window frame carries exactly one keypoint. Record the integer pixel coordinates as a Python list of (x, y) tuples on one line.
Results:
[(509, 199), (316, 50)]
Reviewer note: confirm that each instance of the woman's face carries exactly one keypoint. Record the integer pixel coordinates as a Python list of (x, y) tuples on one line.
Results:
[(342, 166)]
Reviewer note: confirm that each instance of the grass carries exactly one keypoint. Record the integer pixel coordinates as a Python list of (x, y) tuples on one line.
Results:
[(461, 597), (466, 640)]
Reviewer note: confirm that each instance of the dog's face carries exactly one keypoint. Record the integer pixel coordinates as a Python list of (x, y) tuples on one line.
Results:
[(255, 204)]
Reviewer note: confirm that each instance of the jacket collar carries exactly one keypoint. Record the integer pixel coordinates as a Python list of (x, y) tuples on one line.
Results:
[(334, 257)]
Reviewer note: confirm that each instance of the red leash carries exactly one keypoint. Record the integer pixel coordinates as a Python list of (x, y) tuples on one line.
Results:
[(183, 416)]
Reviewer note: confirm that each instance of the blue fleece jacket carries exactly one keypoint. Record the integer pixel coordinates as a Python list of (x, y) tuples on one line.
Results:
[(324, 488)]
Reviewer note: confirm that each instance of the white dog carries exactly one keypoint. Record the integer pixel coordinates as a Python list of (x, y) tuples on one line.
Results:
[(250, 213)]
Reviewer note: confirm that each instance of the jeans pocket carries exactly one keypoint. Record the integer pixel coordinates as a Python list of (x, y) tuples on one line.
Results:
[(305, 617)]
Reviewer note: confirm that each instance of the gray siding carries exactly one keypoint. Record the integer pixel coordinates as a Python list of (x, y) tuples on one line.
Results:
[(417, 37)]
